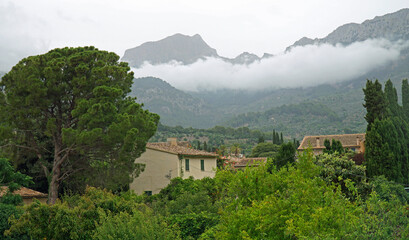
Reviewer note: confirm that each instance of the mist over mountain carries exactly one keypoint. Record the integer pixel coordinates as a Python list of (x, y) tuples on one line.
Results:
[(392, 26), (326, 73)]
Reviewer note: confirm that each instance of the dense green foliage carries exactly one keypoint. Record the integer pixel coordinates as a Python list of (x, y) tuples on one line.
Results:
[(96, 214), (285, 155), (266, 149), (387, 136), (219, 137), (328, 197), (13, 181), (68, 112)]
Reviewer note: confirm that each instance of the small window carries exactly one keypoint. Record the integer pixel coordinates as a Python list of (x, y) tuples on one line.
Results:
[(187, 165), (148, 193), (202, 164)]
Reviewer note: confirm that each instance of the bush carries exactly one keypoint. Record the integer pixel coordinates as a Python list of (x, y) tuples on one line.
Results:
[(6, 211), (73, 218), (138, 225)]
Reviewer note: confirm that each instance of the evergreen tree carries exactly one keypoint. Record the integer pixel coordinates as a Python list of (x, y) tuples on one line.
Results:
[(281, 138), (274, 137), (405, 97), (69, 109), (374, 102), (327, 145), (285, 155), (386, 143), (391, 97), (205, 146), (337, 146)]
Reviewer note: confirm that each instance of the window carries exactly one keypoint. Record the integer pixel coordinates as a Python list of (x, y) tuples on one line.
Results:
[(202, 164), (187, 168), (148, 193)]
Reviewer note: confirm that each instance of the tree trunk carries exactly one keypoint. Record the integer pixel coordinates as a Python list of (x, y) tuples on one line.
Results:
[(54, 183)]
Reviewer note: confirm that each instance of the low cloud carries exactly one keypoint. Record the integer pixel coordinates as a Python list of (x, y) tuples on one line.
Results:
[(19, 36), (301, 67)]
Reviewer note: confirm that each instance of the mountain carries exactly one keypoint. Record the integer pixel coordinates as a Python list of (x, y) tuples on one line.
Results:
[(177, 47), (181, 48), (174, 106), (392, 26), (293, 111)]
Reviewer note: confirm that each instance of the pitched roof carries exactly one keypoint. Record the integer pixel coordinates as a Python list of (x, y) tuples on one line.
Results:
[(250, 162), (179, 148), (347, 140), (24, 192)]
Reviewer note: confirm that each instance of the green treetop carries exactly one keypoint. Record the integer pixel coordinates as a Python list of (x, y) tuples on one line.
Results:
[(69, 108)]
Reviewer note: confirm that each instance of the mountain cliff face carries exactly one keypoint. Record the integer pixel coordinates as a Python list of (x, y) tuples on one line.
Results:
[(178, 47), (183, 49), (392, 26)]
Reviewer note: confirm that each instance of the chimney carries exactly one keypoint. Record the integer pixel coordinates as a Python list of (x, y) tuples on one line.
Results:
[(318, 142), (172, 141)]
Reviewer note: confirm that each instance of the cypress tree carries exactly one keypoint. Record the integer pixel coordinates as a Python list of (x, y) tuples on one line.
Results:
[(274, 137), (405, 97), (281, 138), (327, 145), (391, 97), (374, 102)]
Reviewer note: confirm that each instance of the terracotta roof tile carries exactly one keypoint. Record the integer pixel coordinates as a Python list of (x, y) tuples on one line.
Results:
[(347, 140), (181, 148), (24, 192)]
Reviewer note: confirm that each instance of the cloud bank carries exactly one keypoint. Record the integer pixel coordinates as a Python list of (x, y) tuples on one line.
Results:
[(15, 42), (306, 66)]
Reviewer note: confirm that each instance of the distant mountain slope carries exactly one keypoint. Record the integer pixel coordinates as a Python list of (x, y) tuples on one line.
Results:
[(177, 47), (392, 26), (174, 106), (298, 119)]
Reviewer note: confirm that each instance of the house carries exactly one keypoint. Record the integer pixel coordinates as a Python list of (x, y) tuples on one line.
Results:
[(251, 162), (166, 160), (354, 142), (27, 194)]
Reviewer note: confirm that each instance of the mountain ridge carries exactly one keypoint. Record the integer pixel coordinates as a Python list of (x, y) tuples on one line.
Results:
[(183, 49)]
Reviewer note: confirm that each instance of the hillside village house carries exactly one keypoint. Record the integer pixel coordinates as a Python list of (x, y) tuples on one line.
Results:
[(354, 142), (28, 195), (166, 160)]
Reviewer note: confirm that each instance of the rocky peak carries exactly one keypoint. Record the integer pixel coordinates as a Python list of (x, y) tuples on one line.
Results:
[(178, 47), (392, 26)]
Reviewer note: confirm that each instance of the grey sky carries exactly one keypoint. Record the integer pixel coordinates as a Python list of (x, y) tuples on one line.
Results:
[(30, 27)]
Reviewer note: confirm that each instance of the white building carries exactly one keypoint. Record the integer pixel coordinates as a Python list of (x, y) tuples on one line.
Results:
[(166, 160)]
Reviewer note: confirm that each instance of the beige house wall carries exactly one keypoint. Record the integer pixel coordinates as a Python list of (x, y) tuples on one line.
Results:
[(160, 167), (210, 165)]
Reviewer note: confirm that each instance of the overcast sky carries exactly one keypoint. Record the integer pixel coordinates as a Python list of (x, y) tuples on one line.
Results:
[(30, 27)]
